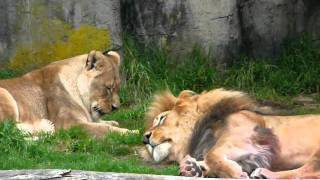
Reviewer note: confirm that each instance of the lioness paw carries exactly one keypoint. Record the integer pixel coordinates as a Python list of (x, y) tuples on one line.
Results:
[(46, 126), (112, 123), (129, 132), (134, 131), (191, 168), (43, 125)]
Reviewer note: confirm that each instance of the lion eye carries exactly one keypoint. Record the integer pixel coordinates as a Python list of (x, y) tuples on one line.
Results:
[(161, 119)]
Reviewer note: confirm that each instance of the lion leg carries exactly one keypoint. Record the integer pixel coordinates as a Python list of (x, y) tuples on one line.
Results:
[(100, 129), (218, 164), (305, 172), (310, 170), (215, 163)]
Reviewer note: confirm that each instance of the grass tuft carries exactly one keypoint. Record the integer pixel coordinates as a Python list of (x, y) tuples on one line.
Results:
[(11, 138)]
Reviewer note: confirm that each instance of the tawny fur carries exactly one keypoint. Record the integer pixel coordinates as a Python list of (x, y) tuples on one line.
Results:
[(74, 91), (246, 132), (161, 102), (193, 107)]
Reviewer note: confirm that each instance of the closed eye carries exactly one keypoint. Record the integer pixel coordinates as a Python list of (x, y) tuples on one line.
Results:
[(159, 120), (108, 89)]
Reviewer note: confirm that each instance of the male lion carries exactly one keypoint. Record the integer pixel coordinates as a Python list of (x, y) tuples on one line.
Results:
[(226, 134), (74, 91)]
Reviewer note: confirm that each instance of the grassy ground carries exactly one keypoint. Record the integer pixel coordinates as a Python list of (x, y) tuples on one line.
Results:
[(145, 72)]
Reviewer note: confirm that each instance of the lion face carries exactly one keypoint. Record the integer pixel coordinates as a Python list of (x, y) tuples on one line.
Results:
[(102, 73), (169, 134), (173, 120)]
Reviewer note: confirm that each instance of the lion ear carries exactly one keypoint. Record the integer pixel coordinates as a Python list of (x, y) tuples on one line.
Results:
[(114, 56), (186, 94), (180, 106), (91, 60), (184, 100)]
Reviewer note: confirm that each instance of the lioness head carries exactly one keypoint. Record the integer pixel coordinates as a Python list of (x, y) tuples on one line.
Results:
[(172, 122), (102, 83)]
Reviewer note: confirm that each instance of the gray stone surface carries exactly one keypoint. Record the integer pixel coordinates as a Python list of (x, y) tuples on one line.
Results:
[(226, 28), (266, 23), (20, 19), (101, 13), (180, 24), (37, 174)]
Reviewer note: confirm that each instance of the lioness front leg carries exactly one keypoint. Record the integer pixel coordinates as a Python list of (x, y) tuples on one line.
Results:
[(112, 123), (100, 129)]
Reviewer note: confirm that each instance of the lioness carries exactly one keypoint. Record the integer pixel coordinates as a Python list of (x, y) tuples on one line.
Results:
[(224, 133), (74, 91)]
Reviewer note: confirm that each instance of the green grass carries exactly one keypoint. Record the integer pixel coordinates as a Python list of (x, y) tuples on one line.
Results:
[(73, 149), (146, 70), (149, 70)]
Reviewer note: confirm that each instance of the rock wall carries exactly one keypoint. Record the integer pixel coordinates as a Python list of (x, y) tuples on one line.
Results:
[(266, 23), (226, 28), (180, 24), (25, 22)]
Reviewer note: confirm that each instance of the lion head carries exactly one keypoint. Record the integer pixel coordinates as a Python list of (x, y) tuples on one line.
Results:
[(100, 82), (171, 122)]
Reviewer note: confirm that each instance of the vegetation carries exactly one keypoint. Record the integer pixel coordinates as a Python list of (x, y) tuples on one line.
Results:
[(295, 71), (146, 71), (72, 149)]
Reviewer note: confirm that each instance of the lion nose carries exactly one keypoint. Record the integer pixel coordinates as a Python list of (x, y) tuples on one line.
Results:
[(114, 107), (146, 138)]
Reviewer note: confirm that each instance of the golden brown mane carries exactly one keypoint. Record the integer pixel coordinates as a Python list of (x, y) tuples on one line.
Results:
[(161, 102)]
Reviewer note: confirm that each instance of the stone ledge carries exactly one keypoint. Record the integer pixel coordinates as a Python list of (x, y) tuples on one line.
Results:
[(77, 174)]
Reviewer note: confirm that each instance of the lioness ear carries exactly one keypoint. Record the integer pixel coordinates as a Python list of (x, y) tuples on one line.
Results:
[(91, 60), (114, 56)]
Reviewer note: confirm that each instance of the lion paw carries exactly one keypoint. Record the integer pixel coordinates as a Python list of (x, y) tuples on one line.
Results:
[(261, 173), (190, 167)]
